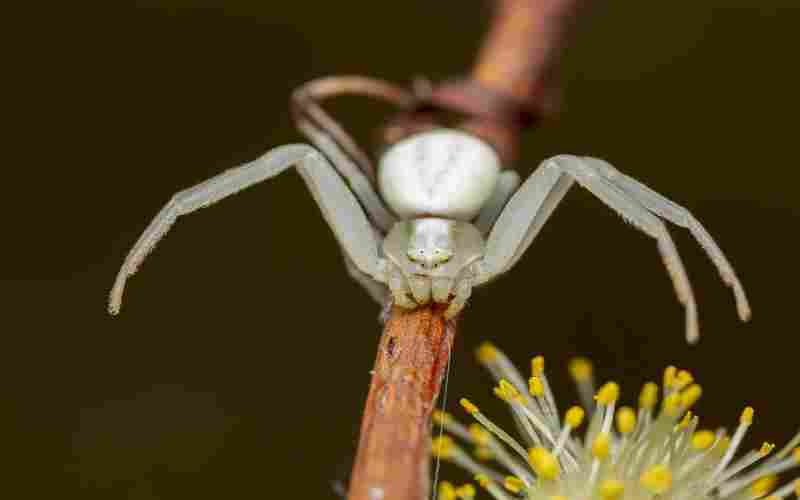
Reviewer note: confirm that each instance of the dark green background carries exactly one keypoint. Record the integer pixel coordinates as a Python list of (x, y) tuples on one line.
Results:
[(240, 363)]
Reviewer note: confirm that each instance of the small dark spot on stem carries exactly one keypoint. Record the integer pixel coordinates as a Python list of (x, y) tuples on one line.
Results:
[(390, 347)]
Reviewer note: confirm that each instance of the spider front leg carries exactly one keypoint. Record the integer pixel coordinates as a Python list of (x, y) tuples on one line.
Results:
[(535, 201), (337, 203)]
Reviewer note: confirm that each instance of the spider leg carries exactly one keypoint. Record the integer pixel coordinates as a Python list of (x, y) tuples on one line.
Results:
[(332, 139), (337, 203), (358, 182), (507, 184), (678, 215), (538, 196)]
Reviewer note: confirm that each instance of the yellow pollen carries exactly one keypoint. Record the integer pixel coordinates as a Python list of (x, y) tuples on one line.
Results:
[(500, 393), (580, 369), (702, 440), (543, 463), (766, 449), (797, 488), (601, 445), (684, 423), (574, 417), (479, 434), (648, 396), (442, 447), (657, 479), (535, 387), (508, 387), (483, 480), (682, 379), (796, 457), (611, 489), (467, 404), (507, 392), (558, 497), (747, 416), (670, 374), (465, 491), (626, 420), (607, 394), (486, 353), (447, 491), (671, 404), (483, 453), (764, 486), (441, 418), (690, 396), (537, 366), (513, 484)]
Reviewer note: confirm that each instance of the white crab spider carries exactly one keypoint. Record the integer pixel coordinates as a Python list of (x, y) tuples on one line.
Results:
[(454, 219)]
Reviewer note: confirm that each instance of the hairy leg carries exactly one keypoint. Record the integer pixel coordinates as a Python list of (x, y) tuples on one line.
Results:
[(535, 201), (338, 206), (678, 215)]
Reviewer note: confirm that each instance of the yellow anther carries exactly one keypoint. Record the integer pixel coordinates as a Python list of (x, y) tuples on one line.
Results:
[(509, 389), (690, 396), (657, 479), (611, 489), (607, 394), (440, 417), (702, 440), (500, 393), (574, 417), (580, 369), (747, 416), (766, 449), (601, 445), (648, 396), (513, 484), (796, 457), (626, 420), (671, 404), (442, 447), (486, 353), (447, 491), (670, 374), (543, 463), (483, 480), (797, 488), (483, 453), (685, 421), (467, 405), (682, 379), (537, 366), (558, 497), (535, 387), (479, 434), (764, 485), (465, 491)]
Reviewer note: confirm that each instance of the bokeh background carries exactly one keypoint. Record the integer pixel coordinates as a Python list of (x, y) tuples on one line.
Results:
[(241, 360)]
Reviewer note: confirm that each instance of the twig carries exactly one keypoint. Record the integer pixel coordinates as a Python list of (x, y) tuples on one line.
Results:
[(413, 353), (508, 90)]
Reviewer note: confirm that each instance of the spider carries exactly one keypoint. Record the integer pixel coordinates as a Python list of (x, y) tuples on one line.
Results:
[(440, 216)]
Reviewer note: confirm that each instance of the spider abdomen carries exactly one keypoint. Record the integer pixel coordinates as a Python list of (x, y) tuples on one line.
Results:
[(443, 173)]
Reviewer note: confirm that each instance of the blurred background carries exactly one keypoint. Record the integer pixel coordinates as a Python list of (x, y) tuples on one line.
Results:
[(240, 363)]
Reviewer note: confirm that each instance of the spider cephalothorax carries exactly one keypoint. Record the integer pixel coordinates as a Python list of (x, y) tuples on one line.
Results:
[(447, 218)]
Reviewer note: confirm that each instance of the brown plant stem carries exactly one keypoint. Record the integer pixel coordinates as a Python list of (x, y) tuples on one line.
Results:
[(392, 460), (508, 90)]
